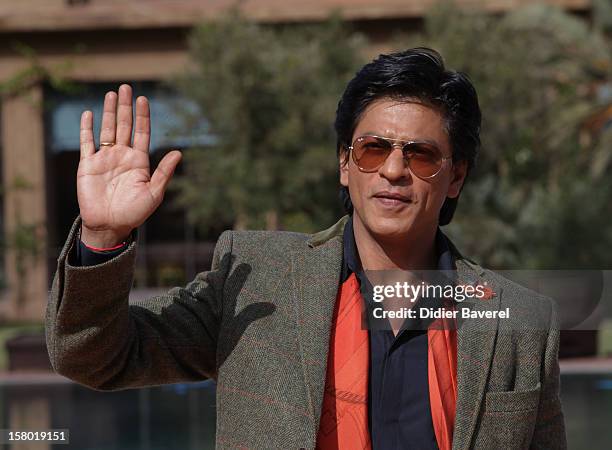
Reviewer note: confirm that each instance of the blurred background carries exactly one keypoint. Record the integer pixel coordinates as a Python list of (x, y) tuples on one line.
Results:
[(248, 91)]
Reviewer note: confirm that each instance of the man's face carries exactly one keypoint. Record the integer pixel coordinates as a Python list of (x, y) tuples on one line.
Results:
[(416, 213)]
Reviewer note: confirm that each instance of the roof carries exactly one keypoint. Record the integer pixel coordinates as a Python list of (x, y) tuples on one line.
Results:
[(66, 15)]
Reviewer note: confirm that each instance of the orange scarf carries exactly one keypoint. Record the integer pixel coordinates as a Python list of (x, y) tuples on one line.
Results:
[(344, 416)]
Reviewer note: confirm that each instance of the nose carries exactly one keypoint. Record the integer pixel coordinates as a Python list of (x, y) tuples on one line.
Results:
[(395, 167)]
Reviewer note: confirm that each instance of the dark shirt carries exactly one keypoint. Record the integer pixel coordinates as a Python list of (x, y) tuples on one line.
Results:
[(399, 414)]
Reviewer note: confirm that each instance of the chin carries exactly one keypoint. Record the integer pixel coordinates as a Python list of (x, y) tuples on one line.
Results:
[(392, 228)]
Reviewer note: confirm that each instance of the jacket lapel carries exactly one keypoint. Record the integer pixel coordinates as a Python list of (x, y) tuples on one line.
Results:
[(315, 276), (475, 346)]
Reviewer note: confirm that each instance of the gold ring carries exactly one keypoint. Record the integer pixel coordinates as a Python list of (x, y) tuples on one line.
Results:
[(106, 144)]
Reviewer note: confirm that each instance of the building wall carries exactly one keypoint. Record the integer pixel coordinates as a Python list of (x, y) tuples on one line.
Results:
[(114, 41), (126, 55), (39, 15)]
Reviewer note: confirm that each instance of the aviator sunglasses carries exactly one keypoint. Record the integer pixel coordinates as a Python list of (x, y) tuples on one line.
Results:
[(370, 153)]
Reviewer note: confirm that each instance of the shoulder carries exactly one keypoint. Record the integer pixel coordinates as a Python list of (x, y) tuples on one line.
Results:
[(512, 286), (528, 307), (260, 242)]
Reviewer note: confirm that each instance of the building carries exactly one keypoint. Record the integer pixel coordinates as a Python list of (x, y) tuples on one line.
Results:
[(100, 43)]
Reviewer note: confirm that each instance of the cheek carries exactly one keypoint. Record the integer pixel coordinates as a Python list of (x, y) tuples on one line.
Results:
[(354, 180), (431, 195), (358, 185)]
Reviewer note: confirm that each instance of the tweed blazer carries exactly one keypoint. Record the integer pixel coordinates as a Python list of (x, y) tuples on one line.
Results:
[(259, 324)]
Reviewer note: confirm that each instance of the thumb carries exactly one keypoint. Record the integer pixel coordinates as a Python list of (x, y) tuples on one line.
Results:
[(163, 173)]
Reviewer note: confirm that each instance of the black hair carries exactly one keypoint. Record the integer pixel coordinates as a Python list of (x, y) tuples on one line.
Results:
[(420, 74)]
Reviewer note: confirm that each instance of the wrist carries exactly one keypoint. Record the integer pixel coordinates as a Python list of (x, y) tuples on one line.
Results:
[(105, 249), (103, 240)]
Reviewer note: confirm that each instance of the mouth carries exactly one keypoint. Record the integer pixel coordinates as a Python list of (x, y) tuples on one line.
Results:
[(392, 199)]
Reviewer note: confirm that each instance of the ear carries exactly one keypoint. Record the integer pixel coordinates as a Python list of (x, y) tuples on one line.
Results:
[(343, 161), (459, 172)]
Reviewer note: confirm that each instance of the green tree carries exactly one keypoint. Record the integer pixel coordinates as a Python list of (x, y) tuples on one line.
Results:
[(269, 95), (540, 196)]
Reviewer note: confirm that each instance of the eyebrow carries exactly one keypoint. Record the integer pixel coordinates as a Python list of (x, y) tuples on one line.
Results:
[(428, 141)]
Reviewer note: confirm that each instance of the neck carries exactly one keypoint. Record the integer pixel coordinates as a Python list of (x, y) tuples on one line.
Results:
[(414, 252)]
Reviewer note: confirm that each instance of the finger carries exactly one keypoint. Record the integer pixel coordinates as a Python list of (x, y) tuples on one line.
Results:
[(162, 175), (88, 146), (142, 129), (109, 118), (124, 115)]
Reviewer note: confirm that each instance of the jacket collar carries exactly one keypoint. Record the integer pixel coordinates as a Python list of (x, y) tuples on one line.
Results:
[(336, 231)]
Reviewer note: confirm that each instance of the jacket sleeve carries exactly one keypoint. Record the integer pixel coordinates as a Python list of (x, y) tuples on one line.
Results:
[(97, 338), (549, 430)]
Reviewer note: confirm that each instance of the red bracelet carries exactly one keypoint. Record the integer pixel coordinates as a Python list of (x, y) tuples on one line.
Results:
[(104, 249)]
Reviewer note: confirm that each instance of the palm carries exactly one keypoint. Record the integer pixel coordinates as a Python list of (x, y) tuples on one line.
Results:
[(115, 189)]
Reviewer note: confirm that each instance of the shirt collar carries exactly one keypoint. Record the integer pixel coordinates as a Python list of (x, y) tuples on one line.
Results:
[(352, 264)]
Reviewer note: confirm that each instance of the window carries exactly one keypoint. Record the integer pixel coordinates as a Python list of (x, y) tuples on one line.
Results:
[(169, 253)]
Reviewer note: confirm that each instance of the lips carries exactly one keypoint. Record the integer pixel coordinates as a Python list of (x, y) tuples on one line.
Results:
[(392, 197)]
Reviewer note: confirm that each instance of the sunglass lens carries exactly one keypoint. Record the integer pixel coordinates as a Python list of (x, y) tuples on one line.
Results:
[(425, 160), (371, 152)]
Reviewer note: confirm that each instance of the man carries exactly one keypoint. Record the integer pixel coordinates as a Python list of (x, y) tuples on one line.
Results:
[(277, 320)]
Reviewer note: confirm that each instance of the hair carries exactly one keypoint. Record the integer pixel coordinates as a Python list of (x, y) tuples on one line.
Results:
[(417, 74)]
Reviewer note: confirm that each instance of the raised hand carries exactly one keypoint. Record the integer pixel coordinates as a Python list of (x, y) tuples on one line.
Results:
[(115, 189)]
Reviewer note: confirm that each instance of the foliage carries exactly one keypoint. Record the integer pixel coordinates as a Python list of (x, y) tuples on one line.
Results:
[(34, 72), (270, 96), (539, 197), (25, 237)]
